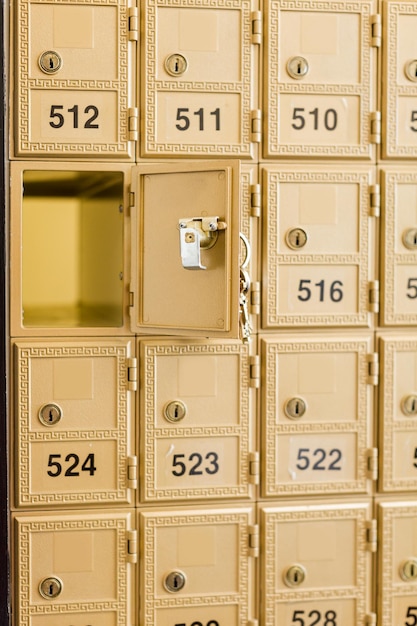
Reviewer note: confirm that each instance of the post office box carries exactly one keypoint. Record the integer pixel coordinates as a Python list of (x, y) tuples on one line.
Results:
[(320, 87), (199, 78), (198, 418), (397, 562), (318, 252), (185, 247), (399, 80), (317, 414), (398, 413), (74, 569), (74, 87), (74, 435), (68, 247), (399, 247), (316, 563), (198, 566)]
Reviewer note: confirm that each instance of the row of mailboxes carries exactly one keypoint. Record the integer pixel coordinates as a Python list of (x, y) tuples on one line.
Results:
[(202, 78), (107, 422), (200, 566), (162, 248)]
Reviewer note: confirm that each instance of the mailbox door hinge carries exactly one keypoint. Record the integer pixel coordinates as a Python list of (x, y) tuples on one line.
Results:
[(255, 298), (370, 619), (132, 374), (375, 127), (373, 368), (375, 200), (371, 535), (131, 200), (376, 30), (372, 463), (131, 299), (132, 546), (133, 124), (132, 472), (254, 468), (374, 296), (254, 371), (256, 18), (254, 541), (255, 200), (256, 125), (133, 21)]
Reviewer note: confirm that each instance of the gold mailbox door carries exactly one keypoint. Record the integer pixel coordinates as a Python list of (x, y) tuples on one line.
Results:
[(197, 566), (185, 249), (319, 238), (74, 423), (398, 410), (316, 563), (74, 568), (317, 414), (399, 80), (320, 87), (399, 246), (198, 420), (397, 562), (74, 80), (199, 78)]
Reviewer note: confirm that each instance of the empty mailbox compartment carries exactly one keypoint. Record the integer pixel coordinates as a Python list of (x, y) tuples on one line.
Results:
[(67, 246)]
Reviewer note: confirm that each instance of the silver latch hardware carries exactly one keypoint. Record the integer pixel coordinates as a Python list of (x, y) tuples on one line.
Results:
[(197, 233)]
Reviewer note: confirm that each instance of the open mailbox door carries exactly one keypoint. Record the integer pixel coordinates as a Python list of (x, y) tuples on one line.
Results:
[(185, 249)]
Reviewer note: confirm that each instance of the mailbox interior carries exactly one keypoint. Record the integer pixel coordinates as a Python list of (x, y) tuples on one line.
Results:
[(72, 249)]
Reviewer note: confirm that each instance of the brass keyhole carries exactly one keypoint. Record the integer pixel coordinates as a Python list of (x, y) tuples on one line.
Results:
[(410, 238), (409, 405), (50, 588), (408, 570), (50, 414), (295, 408), (174, 582), (411, 70), (50, 62), (175, 411), (294, 575), (176, 64), (297, 67), (296, 238)]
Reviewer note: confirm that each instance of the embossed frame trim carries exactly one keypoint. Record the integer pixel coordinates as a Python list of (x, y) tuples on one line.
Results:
[(271, 429), (151, 434), (151, 87), (25, 85), (24, 436), (273, 89), (273, 261)]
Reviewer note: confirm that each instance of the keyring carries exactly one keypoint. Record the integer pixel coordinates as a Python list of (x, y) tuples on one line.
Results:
[(248, 251)]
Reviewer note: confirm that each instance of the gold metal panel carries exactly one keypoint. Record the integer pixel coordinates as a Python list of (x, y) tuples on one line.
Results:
[(316, 565), (324, 279), (73, 423), (397, 548), (399, 87), (88, 555), (317, 414), (198, 420), (199, 78), (209, 549), (398, 420), (74, 80), (398, 247), (167, 297), (320, 71)]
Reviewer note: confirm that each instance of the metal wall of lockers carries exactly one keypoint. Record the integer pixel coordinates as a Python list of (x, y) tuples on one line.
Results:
[(212, 309)]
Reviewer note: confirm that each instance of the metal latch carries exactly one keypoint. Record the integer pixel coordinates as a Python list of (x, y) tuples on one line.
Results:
[(197, 233)]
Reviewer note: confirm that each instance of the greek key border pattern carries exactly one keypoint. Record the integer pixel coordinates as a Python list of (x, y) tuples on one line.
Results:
[(271, 428), (24, 436), (274, 90), (24, 86), (152, 87), (274, 261), (153, 434)]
